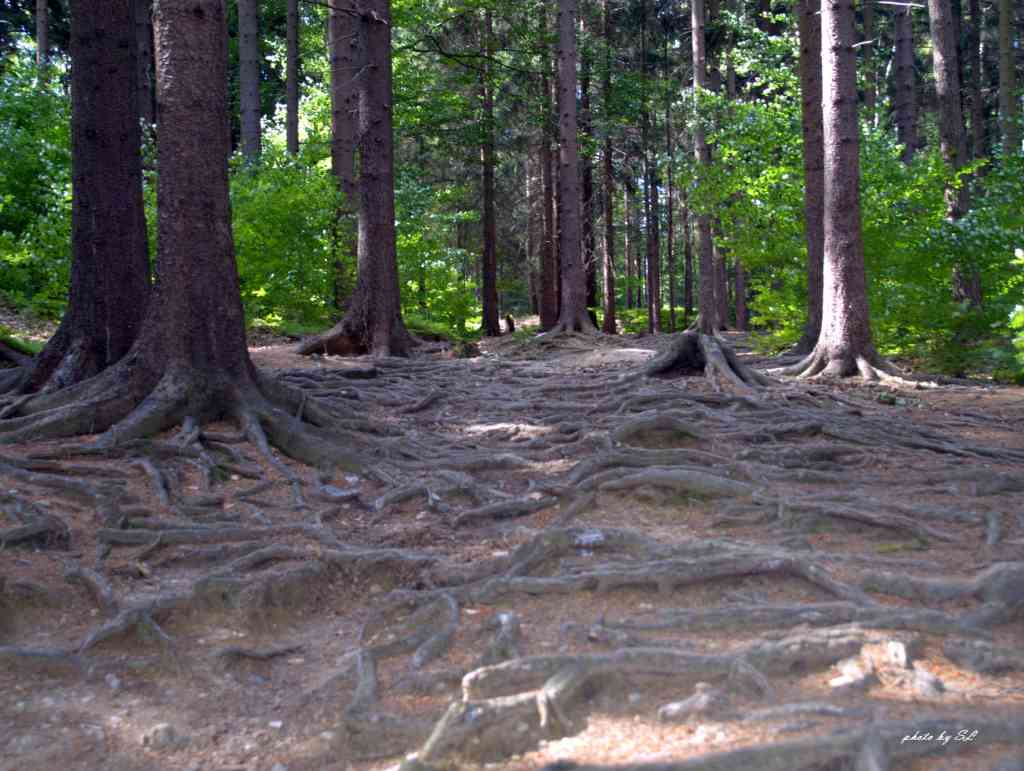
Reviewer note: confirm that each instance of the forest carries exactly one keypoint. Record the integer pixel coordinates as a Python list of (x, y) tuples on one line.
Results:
[(561, 384)]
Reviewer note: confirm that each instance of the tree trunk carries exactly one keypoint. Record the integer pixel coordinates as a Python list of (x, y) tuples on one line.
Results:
[(572, 316), (609, 325), (249, 76), (549, 265), (869, 49), (814, 160), (844, 347), (706, 302), (292, 76), (1008, 97), (346, 57), (144, 61), (43, 40), (627, 204), (721, 288), (653, 241), (109, 251), (670, 225), (952, 138), (373, 322), (488, 261), (975, 102), (687, 264), (587, 175), (742, 314), (905, 91), (534, 227)]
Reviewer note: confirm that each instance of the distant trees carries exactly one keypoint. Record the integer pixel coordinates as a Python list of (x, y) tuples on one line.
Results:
[(249, 60)]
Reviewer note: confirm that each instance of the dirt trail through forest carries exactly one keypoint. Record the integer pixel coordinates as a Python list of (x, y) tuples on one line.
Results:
[(549, 557)]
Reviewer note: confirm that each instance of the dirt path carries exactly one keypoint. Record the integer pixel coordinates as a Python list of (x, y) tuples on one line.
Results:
[(549, 558)]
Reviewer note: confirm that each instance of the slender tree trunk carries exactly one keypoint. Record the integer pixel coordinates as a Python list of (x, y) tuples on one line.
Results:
[(721, 287), (534, 228), (488, 263), (249, 76), (974, 99), (1008, 97), (952, 137), (346, 58), (627, 204), (373, 322), (706, 302), (814, 164), (870, 74), (109, 251), (609, 325), (573, 315), (292, 76), (549, 266), (742, 313), (144, 60), (670, 203), (687, 264), (43, 40), (905, 91)]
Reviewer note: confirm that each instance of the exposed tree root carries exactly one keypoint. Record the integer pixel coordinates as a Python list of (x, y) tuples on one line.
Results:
[(692, 353), (823, 363)]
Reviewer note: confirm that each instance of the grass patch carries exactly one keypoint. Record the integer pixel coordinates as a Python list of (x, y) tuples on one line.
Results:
[(26, 347)]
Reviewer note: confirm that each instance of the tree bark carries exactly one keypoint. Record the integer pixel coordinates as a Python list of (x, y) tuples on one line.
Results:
[(609, 325), (975, 100), (373, 322), (572, 315), (249, 76), (346, 58), (144, 60), (534, 227), (814, 164), (549, 266), (292, 77), (1008, 98), (687, 264), (488, 260), (627, 204), (670, 223), (844, 347), (905, 91), (587, 176), (870, 74), (43, 40), (742, 314), (706, 302), (109, 250)]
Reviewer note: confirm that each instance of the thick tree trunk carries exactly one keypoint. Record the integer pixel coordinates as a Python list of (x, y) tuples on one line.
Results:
[(144, 60), (814, 159), (488, 258), (249, 76), (844, 347), (292, 76), (572, 316), (43, 39), (705, 254), (346, 57), (609, 325), (905, 87), (1008, 97), (587, 177), (109, 251), (373, 322)]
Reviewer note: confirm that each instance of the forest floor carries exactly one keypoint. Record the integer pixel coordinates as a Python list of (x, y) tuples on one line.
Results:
[(547, 558)]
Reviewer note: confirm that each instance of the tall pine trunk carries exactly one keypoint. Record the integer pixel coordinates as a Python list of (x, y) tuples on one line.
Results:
[(705, 253), (814, 164), (905, 86), (249, 76), (609, 323), (1008, 97), (488, 261), (292, 76)]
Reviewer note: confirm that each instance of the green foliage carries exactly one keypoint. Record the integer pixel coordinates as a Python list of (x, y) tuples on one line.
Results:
[(35, 187), (27, 347)]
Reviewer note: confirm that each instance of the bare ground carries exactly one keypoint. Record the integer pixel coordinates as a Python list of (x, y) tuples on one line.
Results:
[(549, 559)]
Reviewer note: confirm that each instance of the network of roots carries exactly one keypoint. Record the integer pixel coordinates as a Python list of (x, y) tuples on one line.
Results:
[(543, 553)]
